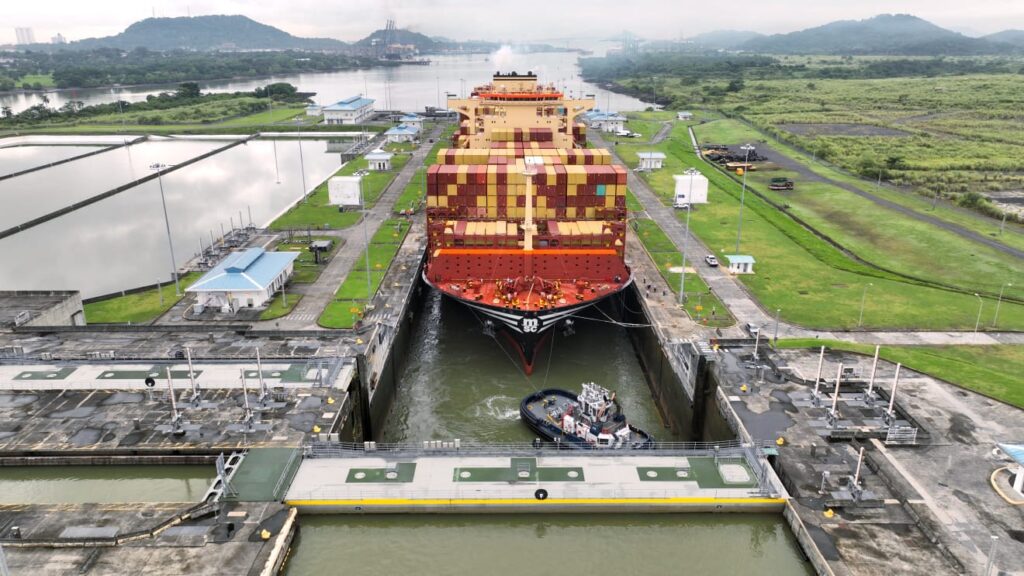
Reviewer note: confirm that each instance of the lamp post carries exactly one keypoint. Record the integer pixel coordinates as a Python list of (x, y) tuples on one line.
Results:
[(981, 304), (995, 316), (302, 163), (743, 193), (775, 338), (863, 299), (686, 240), (167, 224)]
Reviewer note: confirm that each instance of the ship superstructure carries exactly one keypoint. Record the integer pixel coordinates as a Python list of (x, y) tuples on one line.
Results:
[(525, 224)]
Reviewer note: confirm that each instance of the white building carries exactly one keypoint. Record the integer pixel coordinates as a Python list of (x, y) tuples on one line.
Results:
[(607, 121), (684, 115), (740, 263), (379, 160), (691, 188), (245, 279), (402, 133), (650, 160), (352, 110), (314, 110)]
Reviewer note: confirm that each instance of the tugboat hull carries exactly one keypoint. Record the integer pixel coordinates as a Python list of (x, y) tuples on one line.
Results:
[(533, 412)]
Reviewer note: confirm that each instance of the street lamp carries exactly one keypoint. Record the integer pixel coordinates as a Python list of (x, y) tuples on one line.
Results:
[(999, 301), (686, 239), (981, 304), (743, 192), (863, 299), (775, 339), (167, 224)]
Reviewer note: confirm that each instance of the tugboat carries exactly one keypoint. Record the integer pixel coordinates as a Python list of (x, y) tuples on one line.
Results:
[(591, 420)]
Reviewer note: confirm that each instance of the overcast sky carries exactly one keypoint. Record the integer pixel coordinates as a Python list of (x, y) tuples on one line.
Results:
[(523, 19)]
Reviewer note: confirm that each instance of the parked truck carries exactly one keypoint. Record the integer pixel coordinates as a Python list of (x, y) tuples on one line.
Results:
[(780, 183)]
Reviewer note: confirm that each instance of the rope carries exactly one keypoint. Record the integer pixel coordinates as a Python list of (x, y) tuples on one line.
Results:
[(612, 321), (551, 354)]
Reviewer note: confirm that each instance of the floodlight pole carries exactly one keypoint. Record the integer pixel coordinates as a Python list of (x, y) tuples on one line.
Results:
[(995, 316), (302, 163), (167, 224), (981, 304), (686, 242), (863, 299), (743, 192), (871, 381), (366, 241)]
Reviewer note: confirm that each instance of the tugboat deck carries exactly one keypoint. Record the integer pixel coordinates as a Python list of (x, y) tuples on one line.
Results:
[(569, 482)]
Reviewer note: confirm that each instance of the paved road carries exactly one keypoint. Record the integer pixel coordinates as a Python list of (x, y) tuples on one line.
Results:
[(746, 309), (318, 295)]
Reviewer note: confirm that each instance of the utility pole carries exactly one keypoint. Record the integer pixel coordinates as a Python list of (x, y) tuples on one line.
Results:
[(686, 243), (366, 240)]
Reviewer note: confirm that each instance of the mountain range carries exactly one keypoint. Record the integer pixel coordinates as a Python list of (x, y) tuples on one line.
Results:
[(885, 34)]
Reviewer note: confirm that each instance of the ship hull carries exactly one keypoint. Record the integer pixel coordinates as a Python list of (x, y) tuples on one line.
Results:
[(526, 330), (549, 432)]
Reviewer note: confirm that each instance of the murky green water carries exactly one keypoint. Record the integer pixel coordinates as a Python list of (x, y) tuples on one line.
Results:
[(462, 384), (546, 544), (94, 484)]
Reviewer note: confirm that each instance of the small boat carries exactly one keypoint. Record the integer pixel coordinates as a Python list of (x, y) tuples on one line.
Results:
[(591, 420)]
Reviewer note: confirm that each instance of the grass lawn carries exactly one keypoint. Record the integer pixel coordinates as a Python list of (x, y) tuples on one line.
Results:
[(277, 309), (315, 211), (412, 196), (813, 283), (994, 371), (268, 117), (666, 256), (306, 268), (44, 80), (137, 308), (350, 300)]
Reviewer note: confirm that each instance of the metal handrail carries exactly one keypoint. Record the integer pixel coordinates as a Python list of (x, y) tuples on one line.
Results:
[(321, 449)]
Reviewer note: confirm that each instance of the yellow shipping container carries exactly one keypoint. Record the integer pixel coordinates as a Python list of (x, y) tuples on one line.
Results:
[(591, 212), (492, 177), (442, 201), (492, 200), (440, 155), (570, 212), (432, 201), (481, 201), (453, 189), (461, 177), (492, 211), (571, 189), (510, 201), (609, 201), (542, 202)]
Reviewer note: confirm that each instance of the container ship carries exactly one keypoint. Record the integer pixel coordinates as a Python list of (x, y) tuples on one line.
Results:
[(526, 225)]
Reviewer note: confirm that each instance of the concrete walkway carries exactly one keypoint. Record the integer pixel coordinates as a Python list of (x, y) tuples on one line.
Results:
[(746, 309), (318, 295)]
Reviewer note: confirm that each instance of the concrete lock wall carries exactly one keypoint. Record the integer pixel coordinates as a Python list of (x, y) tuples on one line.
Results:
[(67, 313)]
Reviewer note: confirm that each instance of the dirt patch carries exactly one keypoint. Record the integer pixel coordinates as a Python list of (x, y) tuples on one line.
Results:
[(841, 130)]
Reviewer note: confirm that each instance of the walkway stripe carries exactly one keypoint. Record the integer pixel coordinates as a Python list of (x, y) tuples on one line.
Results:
[(530, 501)]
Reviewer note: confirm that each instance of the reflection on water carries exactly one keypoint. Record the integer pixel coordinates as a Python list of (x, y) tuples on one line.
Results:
[(17, 158), (43, 191), (462, 384), (515, 545), (92, 484), (408, 88), (120, 242)]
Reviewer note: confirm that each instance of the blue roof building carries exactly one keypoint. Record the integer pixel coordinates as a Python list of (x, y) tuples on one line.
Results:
[(403, 133), (351, 110), (245, 279)]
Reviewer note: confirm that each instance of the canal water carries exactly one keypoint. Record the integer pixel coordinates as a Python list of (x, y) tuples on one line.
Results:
[(120, 242), (102, 484), (408, 88), (463, 384), (515, 545), (17, 158)]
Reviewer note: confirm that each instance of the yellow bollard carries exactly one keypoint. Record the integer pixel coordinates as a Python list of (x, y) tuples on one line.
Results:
[(743, 388), (316, 429), (265, 534), (330, 400), (828, 513), (780, 441)]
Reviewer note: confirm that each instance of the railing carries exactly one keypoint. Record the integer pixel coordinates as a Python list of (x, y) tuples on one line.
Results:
[(730, 448)]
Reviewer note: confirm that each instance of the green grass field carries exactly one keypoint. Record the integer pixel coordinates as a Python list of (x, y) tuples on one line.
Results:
[(350, 300), (701, 304), (306, 269), (277, 309), (44, 80), (994, 371), (137, 308), (813, 283)]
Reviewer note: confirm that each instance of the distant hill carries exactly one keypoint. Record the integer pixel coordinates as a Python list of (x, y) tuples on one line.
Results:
[(422, 42), (1013, 37), (207, 33), (725, 39), (897, 34)]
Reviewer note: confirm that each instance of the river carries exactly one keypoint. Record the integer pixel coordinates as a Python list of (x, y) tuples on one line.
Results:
[(408, 87)]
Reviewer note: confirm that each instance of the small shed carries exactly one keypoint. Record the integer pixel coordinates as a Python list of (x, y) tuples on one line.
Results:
[(691, 188), (379, 160), (740, 263), (684, 115), (344, 191), (402, 133), (651, 160)]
